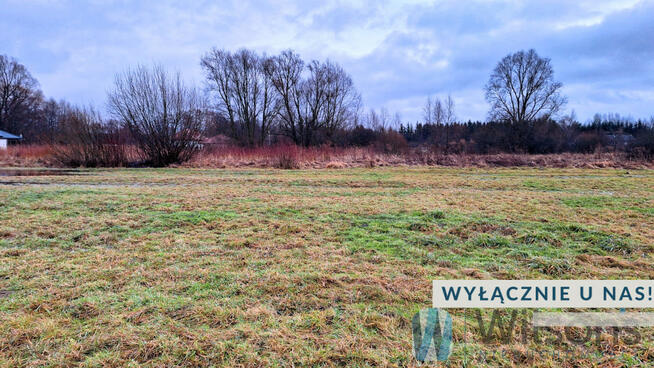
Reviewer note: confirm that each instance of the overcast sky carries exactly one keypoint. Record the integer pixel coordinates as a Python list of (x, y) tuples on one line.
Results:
[(397, 52)]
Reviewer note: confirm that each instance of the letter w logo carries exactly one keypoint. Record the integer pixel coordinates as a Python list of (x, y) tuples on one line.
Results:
[(432, 335)]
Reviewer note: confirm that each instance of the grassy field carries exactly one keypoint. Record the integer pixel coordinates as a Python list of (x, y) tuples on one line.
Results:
[(165, 267)]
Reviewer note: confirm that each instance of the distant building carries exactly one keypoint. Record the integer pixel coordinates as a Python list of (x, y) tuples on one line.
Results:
[(210, 143), (620, 140), (5, 137), (217, 142)]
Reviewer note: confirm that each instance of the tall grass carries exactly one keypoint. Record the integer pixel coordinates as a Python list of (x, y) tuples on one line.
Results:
[(25, 155), (45, 155), (289, 157), (93, 155), (34, 151), (280, 156), (294, 157)]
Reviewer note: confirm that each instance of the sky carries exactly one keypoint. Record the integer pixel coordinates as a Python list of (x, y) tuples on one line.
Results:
[(397, 52)]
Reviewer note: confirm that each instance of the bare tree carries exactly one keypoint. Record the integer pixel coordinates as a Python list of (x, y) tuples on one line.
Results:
[(439, 113), (449, 118), (218, 69), (331, 99), (20, 97), (52, 117), (382, 121), (245, 92), (433, 111), (449, 113), (372, 120), (86, 140), (313, 98), (285, 72), (385, 121), (306, 101), (164, 116), (397, 121), (428, 111), (522, 88)]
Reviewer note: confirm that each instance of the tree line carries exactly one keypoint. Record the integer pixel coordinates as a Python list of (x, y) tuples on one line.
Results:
[(541, 136), (256, 100)]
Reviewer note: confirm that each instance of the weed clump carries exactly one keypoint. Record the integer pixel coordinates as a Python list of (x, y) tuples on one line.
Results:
[(436, 215), (335, 165), (541, 238), (490, 241), (612, 244), (287, 161), (418, 226), (551, 266)]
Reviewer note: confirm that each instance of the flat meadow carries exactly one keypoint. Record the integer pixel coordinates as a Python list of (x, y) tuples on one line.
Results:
[(268, 267)]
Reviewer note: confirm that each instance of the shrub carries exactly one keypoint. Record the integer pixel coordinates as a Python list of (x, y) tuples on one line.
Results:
[(360, 136), (86, 141), (588, 142), (287, 161), (163, 115), (391, 141)]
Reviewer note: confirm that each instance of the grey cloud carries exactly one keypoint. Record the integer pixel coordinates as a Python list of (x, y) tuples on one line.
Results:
[(397, 52)]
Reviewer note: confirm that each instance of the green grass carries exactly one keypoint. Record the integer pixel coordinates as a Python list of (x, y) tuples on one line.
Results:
[(187, 267)]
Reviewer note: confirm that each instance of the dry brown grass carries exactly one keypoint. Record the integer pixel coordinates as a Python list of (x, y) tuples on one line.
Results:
[(283, 156), (339, 158), (27, 156), (294, 157)]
